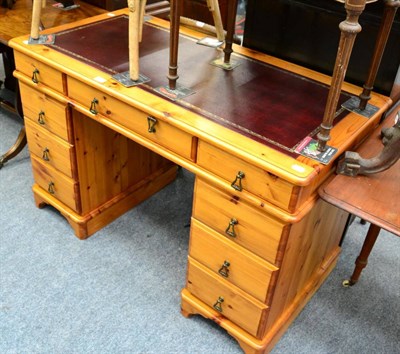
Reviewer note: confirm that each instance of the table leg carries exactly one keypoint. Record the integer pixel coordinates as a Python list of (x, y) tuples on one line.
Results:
[(362, 259)]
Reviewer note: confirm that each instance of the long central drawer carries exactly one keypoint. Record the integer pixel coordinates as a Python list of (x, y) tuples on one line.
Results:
[(149, 127)]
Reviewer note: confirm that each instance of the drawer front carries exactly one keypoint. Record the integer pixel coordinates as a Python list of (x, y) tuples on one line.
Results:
[(133, 119), (231, 302), (38, 72), (230, 261), (44, 111), (55, 183), (244, 176), (50, 149), (238, 221)]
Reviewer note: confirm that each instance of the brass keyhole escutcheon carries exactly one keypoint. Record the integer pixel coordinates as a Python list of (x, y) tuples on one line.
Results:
[(237, 183), (224, 270), (35, 74), (45, 155), (217, 306), (50, 188), (230, 230), (92, 108), (151, 122), (41, 118)]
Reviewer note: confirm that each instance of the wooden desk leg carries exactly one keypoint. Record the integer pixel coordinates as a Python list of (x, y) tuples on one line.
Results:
[(362, 259), (15, 149)]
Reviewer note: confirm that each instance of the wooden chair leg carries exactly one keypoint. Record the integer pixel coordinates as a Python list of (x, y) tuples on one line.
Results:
[(15, 149), (349, 29), (383, 35)]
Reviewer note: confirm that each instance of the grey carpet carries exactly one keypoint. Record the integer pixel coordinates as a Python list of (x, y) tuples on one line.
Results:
[(119, 291)]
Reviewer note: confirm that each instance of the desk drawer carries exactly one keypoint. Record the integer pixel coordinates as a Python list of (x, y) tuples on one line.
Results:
[(56, 183), (49, 148), (240, 222), (230, 261), (44, 111), (133, 119), (38, 72), (231, 302), (253, 179)]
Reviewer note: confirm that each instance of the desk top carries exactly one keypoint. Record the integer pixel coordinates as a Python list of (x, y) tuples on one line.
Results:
[(16, 22), (192, 115), (374, 198)]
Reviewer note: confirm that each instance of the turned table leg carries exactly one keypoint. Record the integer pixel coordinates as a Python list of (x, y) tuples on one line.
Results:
[(362, 259)]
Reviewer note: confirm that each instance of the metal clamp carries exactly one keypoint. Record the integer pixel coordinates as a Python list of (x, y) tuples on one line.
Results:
[(151, 121), (224, 270), (237, 183), (41, 118), (217, 306), (45, 155), (92, 108), (230, 230), (35, 74)]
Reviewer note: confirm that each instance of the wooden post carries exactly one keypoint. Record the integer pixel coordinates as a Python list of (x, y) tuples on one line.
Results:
[(173, 45), (383, 35), (134, 20), (349, 29), (230, 31), (36, 12)]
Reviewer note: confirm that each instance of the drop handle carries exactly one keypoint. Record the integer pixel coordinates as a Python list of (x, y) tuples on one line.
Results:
[(230, 230), (218, 305), (50, 188), (151, 122), (93, 104), (35, 75), (224, 270), (237, 183), (41, 118), (45, 154)]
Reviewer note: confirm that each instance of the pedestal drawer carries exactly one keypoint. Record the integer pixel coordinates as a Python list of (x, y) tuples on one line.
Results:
[(44, 111), (38, 72), (50, 149), (230, 301), (237, 220), (56, 183), (230, 261), (151, 128), (244, 176)]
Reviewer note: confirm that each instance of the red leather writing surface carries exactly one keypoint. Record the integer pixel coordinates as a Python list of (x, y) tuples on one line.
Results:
[(266, 103)]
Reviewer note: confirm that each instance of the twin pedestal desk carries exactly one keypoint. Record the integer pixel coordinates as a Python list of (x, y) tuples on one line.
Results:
[(261, 240)]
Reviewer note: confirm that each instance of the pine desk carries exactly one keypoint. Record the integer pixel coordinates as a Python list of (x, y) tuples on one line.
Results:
[(262, 241)]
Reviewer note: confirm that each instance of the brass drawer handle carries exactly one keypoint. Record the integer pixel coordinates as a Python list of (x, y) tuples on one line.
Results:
[(237, 183), (50, 188), (92, 108), (217, 306), (224, 270), (41, 118), (45, 155), (35, 74), (151, 121), (230, 230)]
